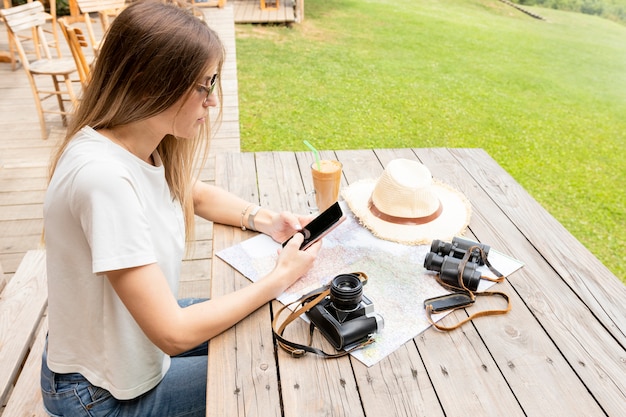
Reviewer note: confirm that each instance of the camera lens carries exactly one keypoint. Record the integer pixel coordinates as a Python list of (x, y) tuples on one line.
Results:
[(345, 292)]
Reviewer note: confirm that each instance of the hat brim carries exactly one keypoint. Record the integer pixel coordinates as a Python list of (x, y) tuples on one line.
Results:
[(452, 221)]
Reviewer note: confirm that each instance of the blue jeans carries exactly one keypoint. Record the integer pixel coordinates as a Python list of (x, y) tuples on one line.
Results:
[(182, 392)]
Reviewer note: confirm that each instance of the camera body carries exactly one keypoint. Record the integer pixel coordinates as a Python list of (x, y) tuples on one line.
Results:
[(346, 316), (445, 258)]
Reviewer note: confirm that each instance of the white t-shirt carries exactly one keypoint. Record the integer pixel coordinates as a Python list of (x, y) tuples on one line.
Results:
[(106, 209)]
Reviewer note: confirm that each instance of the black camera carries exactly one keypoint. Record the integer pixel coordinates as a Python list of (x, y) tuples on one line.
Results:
[(458, 248), (448, 268), (346, 316)]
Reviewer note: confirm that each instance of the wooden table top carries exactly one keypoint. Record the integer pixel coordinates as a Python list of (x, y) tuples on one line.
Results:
[(559, 352)]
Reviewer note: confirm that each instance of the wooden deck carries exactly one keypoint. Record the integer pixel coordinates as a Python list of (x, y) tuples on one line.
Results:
[(249, 11), (24, 158)]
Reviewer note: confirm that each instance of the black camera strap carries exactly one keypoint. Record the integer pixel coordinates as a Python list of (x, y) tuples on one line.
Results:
[(305, 303), (462, 288)]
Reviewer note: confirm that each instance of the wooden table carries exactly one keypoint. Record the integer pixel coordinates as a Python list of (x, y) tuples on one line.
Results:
[(559, 352)]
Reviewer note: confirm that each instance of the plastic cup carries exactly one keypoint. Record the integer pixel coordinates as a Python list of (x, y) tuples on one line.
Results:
[(326, 184)]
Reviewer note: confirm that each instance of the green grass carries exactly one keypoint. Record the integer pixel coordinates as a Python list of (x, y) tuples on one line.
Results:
[(546, 99)]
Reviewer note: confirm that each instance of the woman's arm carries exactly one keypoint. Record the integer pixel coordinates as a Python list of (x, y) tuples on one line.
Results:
[(220, 206), (173, 329)]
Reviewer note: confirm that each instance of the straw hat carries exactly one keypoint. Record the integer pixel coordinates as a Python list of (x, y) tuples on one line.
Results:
[(406, 205)]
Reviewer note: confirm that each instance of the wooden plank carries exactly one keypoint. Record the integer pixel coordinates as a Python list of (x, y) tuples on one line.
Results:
[(280, 185), (199, 249), (510, 337), (519, 344), (195, 289), (410, 391), (20, 173), (204, 231), (196, 270), (571, 321), (29, 158), (19, 244), (25, 400), (223, 392), (22, 304), (398, 386), (17, 228), (242, 370), (249, 11), (438, 350), (10, 262), (23, 182), (21, 212), (359, 165), (20, 197), (602, 291), (311, 386)]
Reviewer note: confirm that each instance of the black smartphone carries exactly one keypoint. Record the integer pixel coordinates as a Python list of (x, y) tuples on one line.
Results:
[(321, 225), (448, 302)]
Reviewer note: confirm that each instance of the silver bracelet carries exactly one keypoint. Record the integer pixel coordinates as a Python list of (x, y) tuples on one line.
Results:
[(243, 214), (253, 213)]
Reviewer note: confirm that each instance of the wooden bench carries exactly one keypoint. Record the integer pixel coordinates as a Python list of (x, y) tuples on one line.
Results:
[(23, 328)]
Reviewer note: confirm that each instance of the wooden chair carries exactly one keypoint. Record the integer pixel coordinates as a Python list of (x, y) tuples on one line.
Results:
[(269, 5), (106, 10), (76, 40), (31, 17), (52, 16)]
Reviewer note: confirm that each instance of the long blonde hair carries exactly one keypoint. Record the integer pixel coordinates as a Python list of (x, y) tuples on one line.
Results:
[(153, 55)]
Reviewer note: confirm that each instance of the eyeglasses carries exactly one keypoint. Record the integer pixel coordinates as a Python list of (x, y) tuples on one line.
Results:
[(208, 89)]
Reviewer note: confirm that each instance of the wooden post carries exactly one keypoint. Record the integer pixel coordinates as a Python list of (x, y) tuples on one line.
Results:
[(299, 11)]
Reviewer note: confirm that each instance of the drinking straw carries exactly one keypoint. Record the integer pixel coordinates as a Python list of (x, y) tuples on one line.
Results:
[(316, 153)]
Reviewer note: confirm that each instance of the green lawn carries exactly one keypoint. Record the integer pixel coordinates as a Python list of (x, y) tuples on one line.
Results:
[(546, 99)]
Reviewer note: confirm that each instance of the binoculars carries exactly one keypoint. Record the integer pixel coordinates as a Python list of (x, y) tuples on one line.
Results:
[(458, 248), (445, 258)]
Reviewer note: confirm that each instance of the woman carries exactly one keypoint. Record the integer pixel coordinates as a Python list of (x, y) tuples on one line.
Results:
[(120, 202)]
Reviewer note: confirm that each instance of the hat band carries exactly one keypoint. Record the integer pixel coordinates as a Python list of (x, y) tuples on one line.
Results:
[(403, 220)]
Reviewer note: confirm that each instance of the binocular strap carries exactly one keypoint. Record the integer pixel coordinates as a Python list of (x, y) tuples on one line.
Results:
[(472, 316), (307, 302), (471, 294)]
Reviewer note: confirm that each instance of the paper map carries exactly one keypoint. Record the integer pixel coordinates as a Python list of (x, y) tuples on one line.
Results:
[(398, 282)]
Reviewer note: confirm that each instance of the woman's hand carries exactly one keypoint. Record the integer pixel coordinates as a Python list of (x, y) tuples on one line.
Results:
[(292, 263), (284, 225)]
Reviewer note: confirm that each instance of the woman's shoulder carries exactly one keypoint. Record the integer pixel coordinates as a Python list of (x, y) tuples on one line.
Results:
[(86, 141), (92, 157), (85, 144), (88, 147)]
